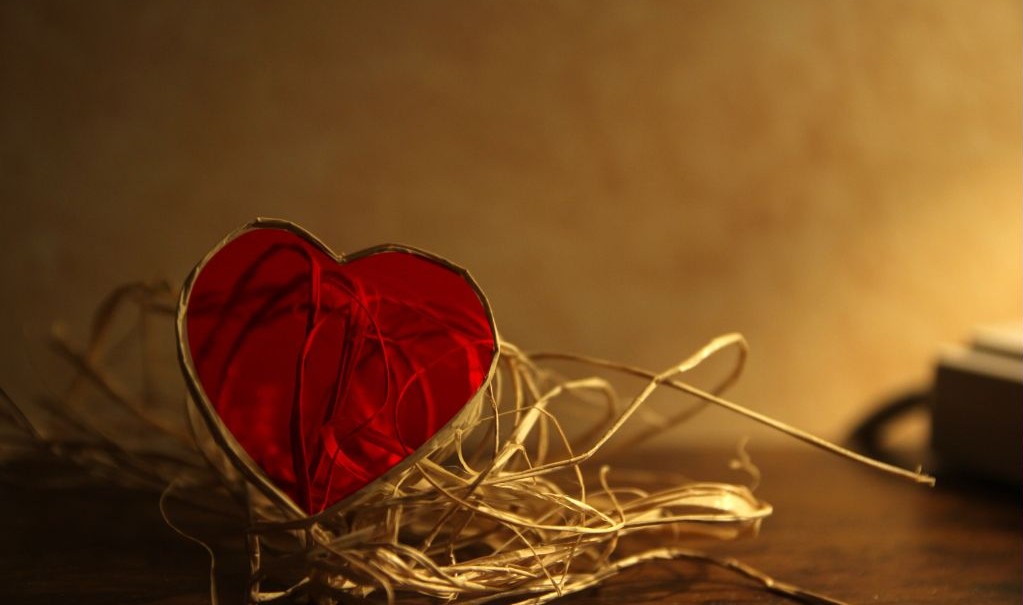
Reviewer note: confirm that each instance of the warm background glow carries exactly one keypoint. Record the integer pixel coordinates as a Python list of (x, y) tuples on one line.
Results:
[(838, 180)]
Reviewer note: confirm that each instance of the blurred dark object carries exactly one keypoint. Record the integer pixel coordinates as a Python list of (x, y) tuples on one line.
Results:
[(976, 412), (977, 406)]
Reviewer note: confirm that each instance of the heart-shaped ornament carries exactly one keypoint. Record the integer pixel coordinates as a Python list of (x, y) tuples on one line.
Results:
[(319, 374)]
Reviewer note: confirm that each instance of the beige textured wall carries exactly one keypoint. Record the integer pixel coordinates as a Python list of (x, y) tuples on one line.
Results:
[(838, 180)]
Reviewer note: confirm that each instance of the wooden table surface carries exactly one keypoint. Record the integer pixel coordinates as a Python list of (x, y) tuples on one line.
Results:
[(837, 529)]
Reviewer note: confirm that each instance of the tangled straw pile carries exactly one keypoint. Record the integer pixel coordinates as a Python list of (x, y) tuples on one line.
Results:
[(519, 508)]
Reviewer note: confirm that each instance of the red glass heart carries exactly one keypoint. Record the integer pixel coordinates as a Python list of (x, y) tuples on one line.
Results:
[(330, 372)]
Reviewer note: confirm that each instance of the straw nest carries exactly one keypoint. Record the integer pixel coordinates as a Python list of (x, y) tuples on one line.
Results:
[(520, 508)]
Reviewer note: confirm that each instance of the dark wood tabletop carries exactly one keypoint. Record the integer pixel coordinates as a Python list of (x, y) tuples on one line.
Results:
[(837, 529)]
